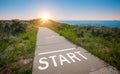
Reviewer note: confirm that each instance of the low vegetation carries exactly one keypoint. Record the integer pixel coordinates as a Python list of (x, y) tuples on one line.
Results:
[(101, 41), (17, 44)]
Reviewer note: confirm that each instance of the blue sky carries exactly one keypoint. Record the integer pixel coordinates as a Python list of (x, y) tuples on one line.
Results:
[(61, 9)]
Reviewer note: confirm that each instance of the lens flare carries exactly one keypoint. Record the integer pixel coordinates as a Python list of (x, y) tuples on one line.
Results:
[(45, 17)]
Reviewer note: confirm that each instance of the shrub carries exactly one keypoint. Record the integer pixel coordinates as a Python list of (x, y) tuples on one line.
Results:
[(80, 34), (11, 28)]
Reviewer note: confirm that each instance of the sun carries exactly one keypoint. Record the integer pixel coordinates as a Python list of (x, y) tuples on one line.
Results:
[(45, 17)]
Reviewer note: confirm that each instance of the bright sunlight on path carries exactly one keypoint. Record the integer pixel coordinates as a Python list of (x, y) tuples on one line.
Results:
[(56, 55)]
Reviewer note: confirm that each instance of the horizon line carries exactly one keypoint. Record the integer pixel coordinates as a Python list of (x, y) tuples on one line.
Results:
[(70, 19)]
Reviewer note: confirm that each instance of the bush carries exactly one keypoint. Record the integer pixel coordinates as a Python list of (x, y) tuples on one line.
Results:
[(80, 34), (11, 28)]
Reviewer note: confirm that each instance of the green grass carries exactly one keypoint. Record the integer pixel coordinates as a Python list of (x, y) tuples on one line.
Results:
[(17, 43), (17, 50), (103, 42)]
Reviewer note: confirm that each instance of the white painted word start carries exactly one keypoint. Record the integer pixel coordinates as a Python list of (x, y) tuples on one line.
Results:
[(44, 64)]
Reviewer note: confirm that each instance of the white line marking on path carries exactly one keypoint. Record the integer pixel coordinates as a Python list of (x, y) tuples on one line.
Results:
[(83, 56), (56, 51)]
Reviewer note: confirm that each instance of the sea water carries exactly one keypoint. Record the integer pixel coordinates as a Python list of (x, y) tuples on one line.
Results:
[(108, 23)]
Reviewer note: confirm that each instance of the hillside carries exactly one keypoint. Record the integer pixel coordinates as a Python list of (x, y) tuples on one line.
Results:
[(18, 38), (103, 42)]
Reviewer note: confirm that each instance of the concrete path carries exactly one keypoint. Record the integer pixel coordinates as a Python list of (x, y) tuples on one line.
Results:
[(56, 55)]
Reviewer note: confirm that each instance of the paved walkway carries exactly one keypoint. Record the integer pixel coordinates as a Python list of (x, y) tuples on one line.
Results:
[(56, 55)]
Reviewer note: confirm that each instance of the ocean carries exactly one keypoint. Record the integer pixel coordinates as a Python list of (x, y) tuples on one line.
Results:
[(107, 23)]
